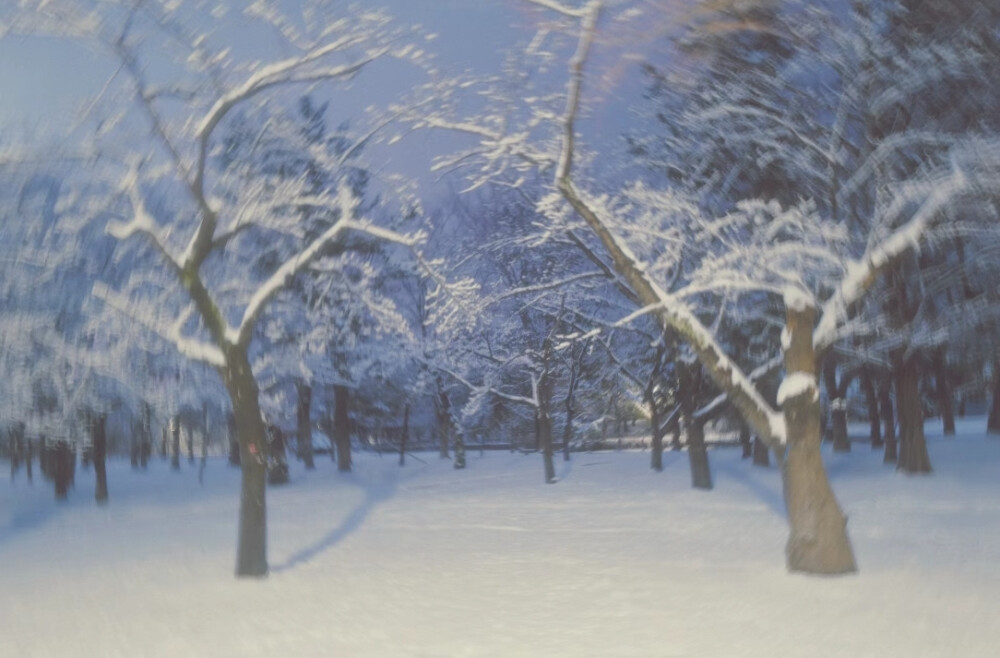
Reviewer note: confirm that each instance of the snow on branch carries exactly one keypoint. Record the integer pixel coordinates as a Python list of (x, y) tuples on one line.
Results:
[(861, 274), (560, 8), (192, 348), (142, 221)]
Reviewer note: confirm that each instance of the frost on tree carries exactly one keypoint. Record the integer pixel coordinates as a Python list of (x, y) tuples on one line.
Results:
[(689, 266), (200, 217)]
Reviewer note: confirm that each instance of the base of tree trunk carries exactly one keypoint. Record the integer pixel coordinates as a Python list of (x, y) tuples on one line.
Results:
[(701, 473), (761, 455), (251, 551)]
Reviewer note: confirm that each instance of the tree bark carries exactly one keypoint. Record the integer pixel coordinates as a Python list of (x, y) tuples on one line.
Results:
[(100, 453), (175, 443), (701, 473), (761, 455), (871, 401), (837, 394), (689, 383), (234, 441), (342, 428), (251, 547), (304, 445), (993, 422), (818, 541), (913, 457), (442, 412), (568, 427), (946, 398), (459, 462), (405, 436), (888, 421), (745, 442), (61, 469)]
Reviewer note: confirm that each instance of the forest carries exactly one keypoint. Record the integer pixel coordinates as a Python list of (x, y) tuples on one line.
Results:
[(283, 232)]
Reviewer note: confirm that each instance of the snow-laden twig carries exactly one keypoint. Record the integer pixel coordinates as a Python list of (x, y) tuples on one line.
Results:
[(192, 348)]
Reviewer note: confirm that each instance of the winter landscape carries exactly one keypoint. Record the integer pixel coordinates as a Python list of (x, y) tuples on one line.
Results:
[(500, 328)]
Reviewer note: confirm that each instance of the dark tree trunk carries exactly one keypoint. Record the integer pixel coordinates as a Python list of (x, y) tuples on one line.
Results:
[(837, 394), (234, 441), (61, 469), (175, 443), (657, 426), (675, 442), (568, 428), (993, 422), (251, 548), (817, 541), (134, 453), (100, 453), (913, 457), (28, 457), (459, 450), (888, 421), (701, 474), (689, 384), (946, 401), (189, 443), (304, 444), (146, 436), (745, 442), (442, 412), (871, 401), (546, 387), (277, 464), (342, 428), (405, 436), (761, 455)]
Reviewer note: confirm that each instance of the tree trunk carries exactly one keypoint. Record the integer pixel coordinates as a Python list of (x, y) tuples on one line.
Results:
[(459, 450), (993, 422), (837, 394), (61, 469), (251, 547), (817, 541), (568, 428), (655, 425), (234, 441), (100, 453), (405, 437), (913, 457), (761, 455), (701, 473), (304, 445), (871, 400), (946, 402), (745, 443), (689, 383), (175, 443), (442, 411), (189, 438), (341, 428), (133, 452), (888, 421)]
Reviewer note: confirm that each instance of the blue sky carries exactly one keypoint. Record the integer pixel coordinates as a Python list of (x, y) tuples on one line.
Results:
[(43, 82)]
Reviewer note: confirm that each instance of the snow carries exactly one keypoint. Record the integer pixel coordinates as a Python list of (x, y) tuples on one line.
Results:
[(796, 384), (615, 560), (797, 299)]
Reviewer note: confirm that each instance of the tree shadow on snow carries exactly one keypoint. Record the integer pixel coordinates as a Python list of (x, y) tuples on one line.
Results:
[(743, 473), (375, 493), (31, 517)]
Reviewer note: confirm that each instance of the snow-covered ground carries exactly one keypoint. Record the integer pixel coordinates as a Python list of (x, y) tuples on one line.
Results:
[(614, 560)]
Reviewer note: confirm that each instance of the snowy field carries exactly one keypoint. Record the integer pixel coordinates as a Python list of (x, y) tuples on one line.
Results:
[(614, 560)]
